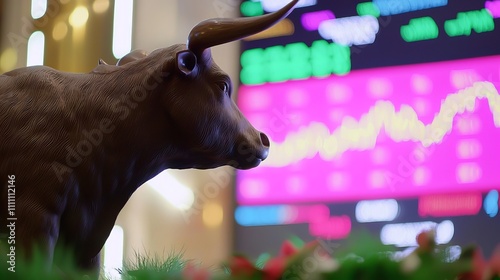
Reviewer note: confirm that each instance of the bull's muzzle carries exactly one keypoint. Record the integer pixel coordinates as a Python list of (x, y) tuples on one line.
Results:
[(249, 153)]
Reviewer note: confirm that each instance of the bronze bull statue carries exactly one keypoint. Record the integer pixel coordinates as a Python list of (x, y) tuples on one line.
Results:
[(75, 147)]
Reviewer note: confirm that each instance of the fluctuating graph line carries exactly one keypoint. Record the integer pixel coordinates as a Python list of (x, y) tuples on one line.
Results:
[(362, 134)]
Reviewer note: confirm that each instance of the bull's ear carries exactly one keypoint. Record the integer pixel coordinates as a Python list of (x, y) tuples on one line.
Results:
[(131, 57), (186, 62)]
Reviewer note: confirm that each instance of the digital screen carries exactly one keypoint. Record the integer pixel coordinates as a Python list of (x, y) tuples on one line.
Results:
[(383, 116)]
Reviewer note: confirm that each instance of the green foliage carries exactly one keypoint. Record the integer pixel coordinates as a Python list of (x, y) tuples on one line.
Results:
[(146, 267), (38, 267), (363, 259)]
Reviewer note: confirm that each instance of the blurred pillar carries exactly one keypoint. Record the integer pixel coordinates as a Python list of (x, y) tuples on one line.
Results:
[(16, 27), (77, 34), (155, 24)]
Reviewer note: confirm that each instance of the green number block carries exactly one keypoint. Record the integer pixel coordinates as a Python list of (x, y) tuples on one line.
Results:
[(368, 8), (251, 9), (252, 57), (253, 74), (419, 29)]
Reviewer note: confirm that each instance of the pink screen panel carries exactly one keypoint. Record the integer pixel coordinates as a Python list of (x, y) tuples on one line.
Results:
[(374, 163)]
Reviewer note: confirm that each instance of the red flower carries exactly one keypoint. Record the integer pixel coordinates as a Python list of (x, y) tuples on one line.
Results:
[(274, 268), (478, 267), (288, 249), (240, 266), (425, 240)]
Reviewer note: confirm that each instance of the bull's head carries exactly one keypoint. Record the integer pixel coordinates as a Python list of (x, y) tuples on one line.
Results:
[(212, 131)]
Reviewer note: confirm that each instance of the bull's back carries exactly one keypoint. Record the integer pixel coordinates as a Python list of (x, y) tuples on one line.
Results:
[(32, 115), (34, 128)]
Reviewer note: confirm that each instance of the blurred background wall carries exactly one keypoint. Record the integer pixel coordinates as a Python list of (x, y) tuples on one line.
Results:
[(72, 36)]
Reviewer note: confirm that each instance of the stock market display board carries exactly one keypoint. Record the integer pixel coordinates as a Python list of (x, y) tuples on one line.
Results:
[(383, 115)]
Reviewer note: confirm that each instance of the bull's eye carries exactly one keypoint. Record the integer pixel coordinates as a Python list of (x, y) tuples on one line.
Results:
[(224, 87)]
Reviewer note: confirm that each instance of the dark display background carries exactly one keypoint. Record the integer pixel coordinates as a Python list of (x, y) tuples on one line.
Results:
[(389, 49)]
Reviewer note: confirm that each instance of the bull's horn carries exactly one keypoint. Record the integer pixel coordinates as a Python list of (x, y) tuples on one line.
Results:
[(218, 31)]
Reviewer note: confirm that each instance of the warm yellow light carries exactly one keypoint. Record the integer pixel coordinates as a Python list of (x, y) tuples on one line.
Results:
[(213, 214), (8, 59), (100, 6), (282, 28), (60, 31), (79, 17)]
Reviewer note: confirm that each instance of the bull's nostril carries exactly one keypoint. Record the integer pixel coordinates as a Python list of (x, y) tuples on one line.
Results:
[(264, 140)]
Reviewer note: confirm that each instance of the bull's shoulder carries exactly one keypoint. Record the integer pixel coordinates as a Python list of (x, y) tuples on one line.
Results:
[(32, 79), (28, 71), (35, 91)]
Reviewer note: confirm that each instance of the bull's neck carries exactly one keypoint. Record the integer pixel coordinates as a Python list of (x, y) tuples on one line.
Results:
[(127, 137)]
